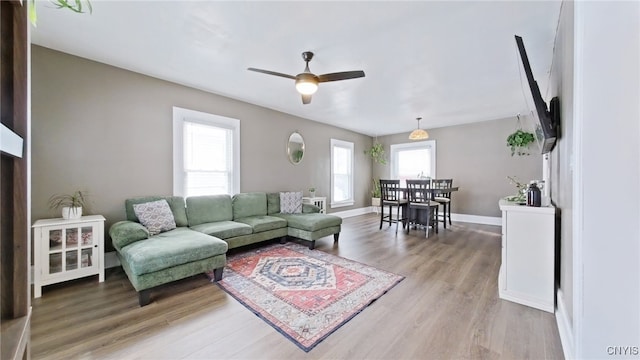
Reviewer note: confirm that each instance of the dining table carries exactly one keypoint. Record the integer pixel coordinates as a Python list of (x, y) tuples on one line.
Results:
[(434, 192)]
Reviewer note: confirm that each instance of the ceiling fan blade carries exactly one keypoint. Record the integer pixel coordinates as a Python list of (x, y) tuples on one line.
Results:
[(272, 73), (340, 76), (306, 99)]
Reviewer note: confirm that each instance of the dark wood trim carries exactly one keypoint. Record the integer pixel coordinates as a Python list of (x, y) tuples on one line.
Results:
[(15, 302)]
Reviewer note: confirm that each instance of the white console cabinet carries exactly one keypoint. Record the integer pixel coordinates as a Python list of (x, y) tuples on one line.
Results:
[(67, 249), (528, 262), (318, 201)]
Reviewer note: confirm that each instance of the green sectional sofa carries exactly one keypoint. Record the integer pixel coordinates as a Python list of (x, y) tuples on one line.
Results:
[(206, 227)]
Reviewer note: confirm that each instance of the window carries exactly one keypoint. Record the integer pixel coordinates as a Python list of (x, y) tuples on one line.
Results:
[(413, 160), (206, 154), (341, 173)]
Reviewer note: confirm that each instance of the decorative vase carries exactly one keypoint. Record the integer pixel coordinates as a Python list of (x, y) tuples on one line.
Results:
[(69, 213), (375, 201), (312, 194)]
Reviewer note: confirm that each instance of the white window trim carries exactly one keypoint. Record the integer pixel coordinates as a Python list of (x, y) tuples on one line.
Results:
[(179, 116), (393, 151), (350, 146)]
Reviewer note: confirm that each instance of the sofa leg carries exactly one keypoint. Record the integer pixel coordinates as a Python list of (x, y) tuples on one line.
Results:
[(217, 274), (335, 237), (312, 245), (283, 240), (144, 297)]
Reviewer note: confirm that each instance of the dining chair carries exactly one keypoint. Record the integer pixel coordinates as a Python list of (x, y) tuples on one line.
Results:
[(443, 198), (392, 196), (422, 210)]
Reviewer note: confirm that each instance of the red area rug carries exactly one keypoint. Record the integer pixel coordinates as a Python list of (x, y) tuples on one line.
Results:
[(304, 294)]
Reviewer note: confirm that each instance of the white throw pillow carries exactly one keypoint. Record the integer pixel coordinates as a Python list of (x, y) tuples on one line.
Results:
[(156, 216), (291, 202)]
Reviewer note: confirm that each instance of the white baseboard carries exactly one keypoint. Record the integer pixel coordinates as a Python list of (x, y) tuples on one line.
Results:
[(564, 327), (352, 212), (477, 219)]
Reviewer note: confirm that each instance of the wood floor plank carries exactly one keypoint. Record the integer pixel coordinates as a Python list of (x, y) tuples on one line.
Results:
[(446, 307)]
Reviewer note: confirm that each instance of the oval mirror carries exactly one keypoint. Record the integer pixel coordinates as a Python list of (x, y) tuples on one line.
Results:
[(295, 148)]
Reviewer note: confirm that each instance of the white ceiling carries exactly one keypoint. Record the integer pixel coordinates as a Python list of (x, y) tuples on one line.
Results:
[(450, 62)]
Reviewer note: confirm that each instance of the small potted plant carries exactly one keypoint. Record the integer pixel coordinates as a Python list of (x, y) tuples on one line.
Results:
[(377, 153), (375, 193), (519, 142), (522, 190), (71, 204), (312, 192)]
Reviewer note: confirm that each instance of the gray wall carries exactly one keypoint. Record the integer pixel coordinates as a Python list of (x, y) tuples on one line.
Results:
[(476, 156), (109, 131)]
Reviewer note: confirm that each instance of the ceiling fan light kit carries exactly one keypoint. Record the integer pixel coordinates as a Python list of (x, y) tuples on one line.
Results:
[(307, 82), (418, 134)]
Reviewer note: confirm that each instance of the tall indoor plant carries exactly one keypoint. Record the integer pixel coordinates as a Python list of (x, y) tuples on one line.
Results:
[(375, 193)]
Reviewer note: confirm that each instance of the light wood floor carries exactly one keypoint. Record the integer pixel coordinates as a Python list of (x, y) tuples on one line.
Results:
[(446, 308)]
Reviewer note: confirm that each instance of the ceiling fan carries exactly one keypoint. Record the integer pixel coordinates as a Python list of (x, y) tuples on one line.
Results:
[(307, 82)]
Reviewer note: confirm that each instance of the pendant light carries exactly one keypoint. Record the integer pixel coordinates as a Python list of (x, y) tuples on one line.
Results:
[(418, 134)]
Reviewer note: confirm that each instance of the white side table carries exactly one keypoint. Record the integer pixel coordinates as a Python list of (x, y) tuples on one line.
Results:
[(67, 249), (317, 201)]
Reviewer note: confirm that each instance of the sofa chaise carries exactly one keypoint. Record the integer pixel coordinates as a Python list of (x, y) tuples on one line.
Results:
[(205, 228)]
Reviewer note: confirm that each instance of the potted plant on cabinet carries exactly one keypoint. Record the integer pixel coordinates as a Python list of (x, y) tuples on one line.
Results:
[(71, 204), (312, 192)]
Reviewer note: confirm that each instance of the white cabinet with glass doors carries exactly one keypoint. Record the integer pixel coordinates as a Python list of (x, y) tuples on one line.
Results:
[(67, 249)]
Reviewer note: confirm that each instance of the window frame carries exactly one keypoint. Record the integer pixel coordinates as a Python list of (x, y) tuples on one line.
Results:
[(350, 201), (180, 116), (396, 148)]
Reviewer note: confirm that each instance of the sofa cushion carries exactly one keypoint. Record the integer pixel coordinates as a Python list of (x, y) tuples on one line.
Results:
[(291, 202), (176, 203), (125, 232), (263, 223), (273, 203), (171, 248), (224, 229), (249, 204), (310, 221), (206, 209), (156, 216)]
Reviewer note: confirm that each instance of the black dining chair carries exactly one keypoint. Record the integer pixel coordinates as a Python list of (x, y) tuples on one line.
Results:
[(443, 198), (392, 196), (422, 210)]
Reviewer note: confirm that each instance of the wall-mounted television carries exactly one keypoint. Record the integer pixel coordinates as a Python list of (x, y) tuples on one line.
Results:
[(545, 122)]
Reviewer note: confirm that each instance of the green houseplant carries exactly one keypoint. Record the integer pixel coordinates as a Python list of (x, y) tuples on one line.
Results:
[(377, 153), (521, 196), (312, 191), (519, 142), (71, 204), (375, 193)]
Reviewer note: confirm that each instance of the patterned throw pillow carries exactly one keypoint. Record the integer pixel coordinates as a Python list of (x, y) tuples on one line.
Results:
[(291, 202), (156, 216)]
